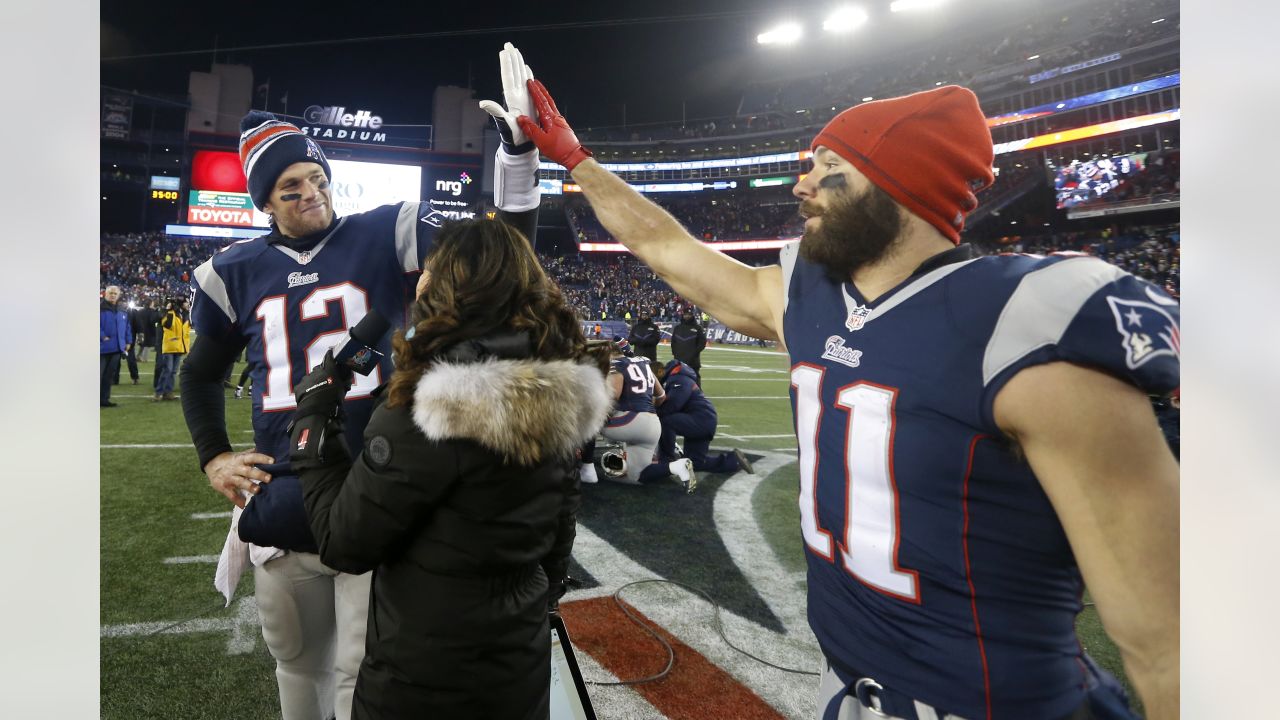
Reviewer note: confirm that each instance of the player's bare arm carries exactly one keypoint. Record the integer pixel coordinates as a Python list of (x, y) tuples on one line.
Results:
[(1094, 444), (615, 383), (746, 299)]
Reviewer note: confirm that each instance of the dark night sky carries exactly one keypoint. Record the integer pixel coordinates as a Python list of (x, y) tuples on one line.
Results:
[(651, 67)]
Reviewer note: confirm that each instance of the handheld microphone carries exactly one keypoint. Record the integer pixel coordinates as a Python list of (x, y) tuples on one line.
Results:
[(357, 350)]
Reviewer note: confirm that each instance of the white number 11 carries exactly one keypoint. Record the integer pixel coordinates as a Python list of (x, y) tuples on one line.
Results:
[(869, 550)]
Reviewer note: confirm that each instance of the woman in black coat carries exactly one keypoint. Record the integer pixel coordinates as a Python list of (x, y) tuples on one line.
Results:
[(464, 497)]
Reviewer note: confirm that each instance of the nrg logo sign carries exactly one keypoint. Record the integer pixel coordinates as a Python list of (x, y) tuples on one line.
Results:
[(454, 187)]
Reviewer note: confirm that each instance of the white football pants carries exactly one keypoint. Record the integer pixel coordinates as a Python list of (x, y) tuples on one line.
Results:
[(641, 438), (313, 621)]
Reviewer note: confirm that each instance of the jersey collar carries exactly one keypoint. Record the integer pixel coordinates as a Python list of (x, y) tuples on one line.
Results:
[(929, 272)]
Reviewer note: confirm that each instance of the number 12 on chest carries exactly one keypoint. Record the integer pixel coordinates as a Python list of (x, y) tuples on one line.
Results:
[(352, 303)]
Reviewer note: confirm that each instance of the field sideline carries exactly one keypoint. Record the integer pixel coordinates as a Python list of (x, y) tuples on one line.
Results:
[(169, 649)]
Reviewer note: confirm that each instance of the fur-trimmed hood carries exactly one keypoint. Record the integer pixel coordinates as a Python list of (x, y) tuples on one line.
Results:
[(525, 410)]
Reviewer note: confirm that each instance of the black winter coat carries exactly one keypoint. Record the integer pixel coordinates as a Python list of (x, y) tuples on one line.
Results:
[(464, 506)]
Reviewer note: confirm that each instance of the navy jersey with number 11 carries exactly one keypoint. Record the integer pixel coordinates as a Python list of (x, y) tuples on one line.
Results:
[(936, 563)]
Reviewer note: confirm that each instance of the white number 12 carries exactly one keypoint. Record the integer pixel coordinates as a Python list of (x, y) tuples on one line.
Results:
[(353, 304), (869, 550)]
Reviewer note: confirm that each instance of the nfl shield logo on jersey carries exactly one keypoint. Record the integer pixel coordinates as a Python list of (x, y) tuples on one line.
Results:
[(1146, 331), (857, 317)]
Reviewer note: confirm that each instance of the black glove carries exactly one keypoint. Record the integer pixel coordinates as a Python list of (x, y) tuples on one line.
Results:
[(557, 590), (316, 428)]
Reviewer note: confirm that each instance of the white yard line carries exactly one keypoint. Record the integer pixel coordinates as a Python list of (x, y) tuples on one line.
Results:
[(243, 626), (210, 515), (755, 437), (192, 560), (721, 348)]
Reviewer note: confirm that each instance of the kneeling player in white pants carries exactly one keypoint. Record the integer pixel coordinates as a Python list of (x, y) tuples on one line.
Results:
[(635, 423), (313, 621)]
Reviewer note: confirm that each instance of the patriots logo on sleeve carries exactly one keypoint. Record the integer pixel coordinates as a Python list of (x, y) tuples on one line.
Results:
[(1146, 331), (433, 218)]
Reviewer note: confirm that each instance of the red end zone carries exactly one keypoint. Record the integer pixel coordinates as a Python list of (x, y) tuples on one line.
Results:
[(695, 689)]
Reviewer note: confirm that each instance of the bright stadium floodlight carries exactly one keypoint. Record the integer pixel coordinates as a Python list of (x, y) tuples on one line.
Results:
[(845, 19), (909, 5), (784, 34)]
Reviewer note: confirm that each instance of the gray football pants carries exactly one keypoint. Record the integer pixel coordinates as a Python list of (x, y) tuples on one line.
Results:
[(641, 438), (313, 621)]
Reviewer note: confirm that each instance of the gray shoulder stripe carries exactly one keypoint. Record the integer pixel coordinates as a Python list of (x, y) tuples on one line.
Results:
[(407, 236), (787, 256), (906, 293), (213, 286), (1040, 309)]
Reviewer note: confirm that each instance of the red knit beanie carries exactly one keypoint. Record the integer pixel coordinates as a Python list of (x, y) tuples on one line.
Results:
[(931, 151)]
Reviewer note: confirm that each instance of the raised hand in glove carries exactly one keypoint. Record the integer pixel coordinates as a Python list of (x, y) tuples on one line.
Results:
[(515, 92), (316, 425), (551, 133)]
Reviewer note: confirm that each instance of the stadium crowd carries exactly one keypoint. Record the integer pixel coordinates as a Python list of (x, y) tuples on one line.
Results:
[(153, 266), (714, 216), (1149, 252), (615, 286)]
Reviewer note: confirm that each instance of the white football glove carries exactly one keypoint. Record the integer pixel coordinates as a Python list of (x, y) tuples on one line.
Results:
[(515, 92)]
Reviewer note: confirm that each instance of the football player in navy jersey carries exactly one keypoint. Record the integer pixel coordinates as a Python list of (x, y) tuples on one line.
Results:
[(688, 413), (289, 296), (634, 421), (975, 441)]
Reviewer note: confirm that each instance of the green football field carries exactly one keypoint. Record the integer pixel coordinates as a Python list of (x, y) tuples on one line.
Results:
[(170, 649)]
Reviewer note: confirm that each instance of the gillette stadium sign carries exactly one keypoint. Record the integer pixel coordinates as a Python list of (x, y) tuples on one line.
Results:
[(335, 123)]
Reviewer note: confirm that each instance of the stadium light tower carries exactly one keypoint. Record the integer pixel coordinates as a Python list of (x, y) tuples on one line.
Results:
[(909, 5), (845, 19), (784, 34)]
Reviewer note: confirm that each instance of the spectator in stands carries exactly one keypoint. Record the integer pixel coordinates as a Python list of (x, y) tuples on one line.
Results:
[(175, 343), (115, 337), (689, 414)]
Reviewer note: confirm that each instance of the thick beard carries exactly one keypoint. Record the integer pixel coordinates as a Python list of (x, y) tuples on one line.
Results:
[(854, 232)]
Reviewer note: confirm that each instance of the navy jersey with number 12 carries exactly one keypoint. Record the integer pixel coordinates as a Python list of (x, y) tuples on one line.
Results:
[(936, 563), (291, 307)]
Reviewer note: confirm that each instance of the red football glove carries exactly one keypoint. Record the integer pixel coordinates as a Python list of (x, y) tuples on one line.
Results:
[(554, 137)]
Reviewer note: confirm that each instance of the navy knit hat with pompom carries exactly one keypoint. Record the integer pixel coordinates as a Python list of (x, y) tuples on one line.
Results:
[(267, 147)]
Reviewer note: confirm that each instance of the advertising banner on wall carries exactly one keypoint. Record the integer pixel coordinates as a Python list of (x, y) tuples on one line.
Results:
[(342, 124), (210, 207), (361, 186), (453, 190), (218, 195), (117, 115)]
